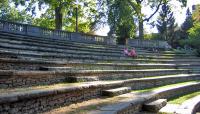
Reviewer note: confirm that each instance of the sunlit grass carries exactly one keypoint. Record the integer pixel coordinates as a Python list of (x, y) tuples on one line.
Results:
[(181, 99), (163, 87), (43, 87)]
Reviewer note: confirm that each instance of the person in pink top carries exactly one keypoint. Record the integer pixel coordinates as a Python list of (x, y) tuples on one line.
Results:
[(132, 53)]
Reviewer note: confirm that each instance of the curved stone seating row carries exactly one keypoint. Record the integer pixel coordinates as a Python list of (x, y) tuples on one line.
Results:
[(67, 50), (74, 44), (132, 102), (10, 79), (47, 44), (57, 42), (41, 99), (69, 44), (35, 72), (54, 48), (190, 106), (8, 53), (19, 64)]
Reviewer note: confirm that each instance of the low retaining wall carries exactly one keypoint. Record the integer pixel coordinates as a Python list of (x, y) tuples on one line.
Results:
[(138, 84), (163, 94), (190, 106), (14, 79), (36, 101), (140, 74), (153, 44), (40, 100), (41, 104), (29, 30)]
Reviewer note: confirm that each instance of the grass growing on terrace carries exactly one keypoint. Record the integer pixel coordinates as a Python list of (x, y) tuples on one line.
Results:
[(181, 99), (163, 87), (44, 87), (86, 107)]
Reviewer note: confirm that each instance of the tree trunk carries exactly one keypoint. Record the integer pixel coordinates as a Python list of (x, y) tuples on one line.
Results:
[(122, 40), (141, 29), (141, 22), (58, 18)]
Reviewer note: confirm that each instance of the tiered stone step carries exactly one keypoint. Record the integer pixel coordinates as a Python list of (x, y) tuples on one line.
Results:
[(154, 106), (123, 67), (9, 78), (116, 91), (55, 68), (35, 73), (42, 40), (53, 51), (32, 64), (62, 48), (49, 97), (190, 106), (126, 74), (131, 102), (69, 44), (48, 47), (89, 58)]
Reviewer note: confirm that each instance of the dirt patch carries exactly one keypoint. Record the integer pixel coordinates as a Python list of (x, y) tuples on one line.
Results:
[(85, 107)]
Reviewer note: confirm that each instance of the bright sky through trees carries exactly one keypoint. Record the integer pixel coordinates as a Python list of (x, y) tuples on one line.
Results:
[(179, 14)]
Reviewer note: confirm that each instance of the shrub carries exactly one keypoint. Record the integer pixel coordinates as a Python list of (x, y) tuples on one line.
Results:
[(194, 37)]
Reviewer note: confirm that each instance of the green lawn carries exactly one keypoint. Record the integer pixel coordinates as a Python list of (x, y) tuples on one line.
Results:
[(181, 99)]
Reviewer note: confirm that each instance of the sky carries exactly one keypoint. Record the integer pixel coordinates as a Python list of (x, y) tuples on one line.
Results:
[(179, 14)]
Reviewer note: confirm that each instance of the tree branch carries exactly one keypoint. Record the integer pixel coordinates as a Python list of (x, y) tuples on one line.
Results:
[(134, 8), (158, 7)]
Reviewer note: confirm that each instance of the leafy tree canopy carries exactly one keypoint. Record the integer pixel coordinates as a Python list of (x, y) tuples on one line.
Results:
[(120, 19), (61, 14), (154, 4), (10, 13)]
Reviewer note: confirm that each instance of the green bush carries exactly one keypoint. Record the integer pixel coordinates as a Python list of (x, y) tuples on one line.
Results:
[(194, 38), (152, 36)]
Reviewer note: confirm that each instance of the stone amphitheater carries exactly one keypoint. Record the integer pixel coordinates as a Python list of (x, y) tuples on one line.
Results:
[(45, 75)]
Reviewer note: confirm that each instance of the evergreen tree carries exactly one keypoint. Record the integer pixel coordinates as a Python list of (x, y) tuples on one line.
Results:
[(166, 24), (188, 23)]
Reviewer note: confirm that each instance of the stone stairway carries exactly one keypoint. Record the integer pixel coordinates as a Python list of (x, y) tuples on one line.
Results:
[(38, 75)]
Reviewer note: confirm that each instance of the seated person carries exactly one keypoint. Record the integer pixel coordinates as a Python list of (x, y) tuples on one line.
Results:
[(132, 53), (126, 52)]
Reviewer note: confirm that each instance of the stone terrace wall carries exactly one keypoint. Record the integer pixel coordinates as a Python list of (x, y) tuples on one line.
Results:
[(40, 102), (13, 79), (30, 30), (149, 83), (28, 79), (149, 44), (164, 94)]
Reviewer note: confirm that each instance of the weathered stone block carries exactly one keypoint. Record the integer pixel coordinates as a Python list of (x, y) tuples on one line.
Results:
[(155, 106), (117, 91)]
